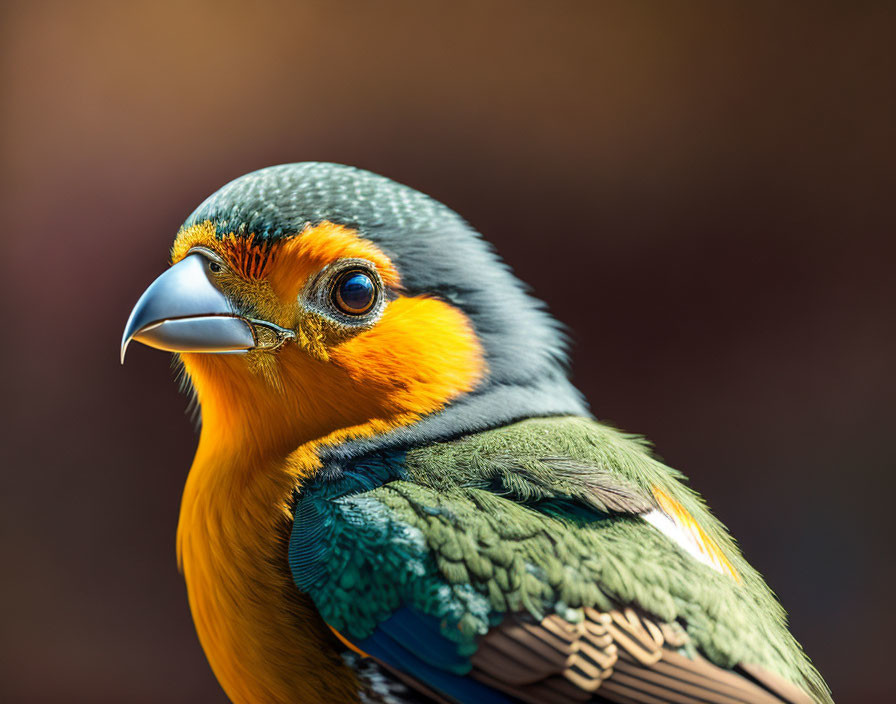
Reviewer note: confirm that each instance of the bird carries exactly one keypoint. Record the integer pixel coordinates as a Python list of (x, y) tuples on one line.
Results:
[(398, 494)]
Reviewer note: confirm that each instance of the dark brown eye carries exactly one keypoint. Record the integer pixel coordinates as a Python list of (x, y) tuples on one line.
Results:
[(354, 292), (213, 266)]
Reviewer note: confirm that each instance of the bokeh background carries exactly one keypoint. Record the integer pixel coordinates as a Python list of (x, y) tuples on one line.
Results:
[(703, 192)]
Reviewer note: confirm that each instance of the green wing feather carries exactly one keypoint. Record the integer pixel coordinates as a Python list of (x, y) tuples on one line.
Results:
[(542, 517)]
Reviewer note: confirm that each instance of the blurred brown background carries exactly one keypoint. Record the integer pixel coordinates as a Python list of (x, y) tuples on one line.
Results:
[(703, 192)]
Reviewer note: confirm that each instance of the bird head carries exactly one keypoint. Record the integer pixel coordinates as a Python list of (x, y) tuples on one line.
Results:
[(313, 300)]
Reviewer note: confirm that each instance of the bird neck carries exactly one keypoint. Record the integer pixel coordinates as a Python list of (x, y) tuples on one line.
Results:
[(263, 639)]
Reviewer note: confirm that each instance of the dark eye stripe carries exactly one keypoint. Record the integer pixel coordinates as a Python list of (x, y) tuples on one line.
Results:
[(354, 293)]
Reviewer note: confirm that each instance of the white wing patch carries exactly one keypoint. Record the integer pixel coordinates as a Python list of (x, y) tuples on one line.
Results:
[(683, 538), (674, 521)]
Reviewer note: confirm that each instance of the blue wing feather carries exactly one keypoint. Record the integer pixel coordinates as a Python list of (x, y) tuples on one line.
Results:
[(421, 634), (410, 641)]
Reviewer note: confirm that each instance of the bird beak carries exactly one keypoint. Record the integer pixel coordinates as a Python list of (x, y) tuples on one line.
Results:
[(183, 311)]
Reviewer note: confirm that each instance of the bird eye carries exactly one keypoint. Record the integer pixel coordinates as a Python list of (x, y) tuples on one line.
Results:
[(213, 266), (354, 292)]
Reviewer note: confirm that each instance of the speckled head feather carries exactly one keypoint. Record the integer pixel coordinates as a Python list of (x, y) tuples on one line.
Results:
[(437, 253)]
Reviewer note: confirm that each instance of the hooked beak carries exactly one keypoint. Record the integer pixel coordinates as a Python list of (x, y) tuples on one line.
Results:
[(183, 311)]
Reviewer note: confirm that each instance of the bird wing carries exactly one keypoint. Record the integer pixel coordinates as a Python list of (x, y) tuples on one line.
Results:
[(519, 580)]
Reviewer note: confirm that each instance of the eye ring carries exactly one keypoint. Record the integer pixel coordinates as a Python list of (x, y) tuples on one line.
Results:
[(354, 292)]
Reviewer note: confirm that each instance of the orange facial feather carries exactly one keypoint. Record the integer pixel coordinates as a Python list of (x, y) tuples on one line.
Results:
[(248, 256), (304, 255)]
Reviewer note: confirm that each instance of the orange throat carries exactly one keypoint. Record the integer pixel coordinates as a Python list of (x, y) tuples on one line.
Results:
[(263, 640)]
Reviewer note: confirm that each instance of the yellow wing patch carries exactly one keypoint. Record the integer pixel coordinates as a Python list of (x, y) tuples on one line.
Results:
[(706, 546)]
